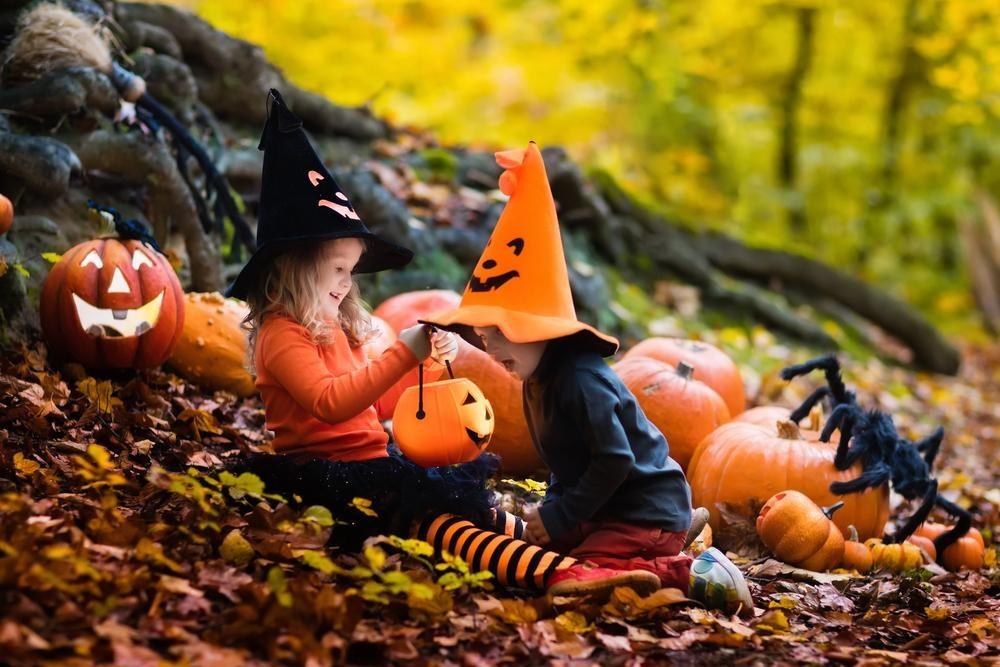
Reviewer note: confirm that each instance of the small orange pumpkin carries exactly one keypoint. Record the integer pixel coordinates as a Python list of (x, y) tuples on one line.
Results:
[(6, 214), (799, 532), (684, 409), (712, 366), (443, 423), (895, 557), (924, 543), (967, 553), (856, 555)]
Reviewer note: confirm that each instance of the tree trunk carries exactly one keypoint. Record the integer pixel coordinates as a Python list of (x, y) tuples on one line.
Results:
[(790, 103)]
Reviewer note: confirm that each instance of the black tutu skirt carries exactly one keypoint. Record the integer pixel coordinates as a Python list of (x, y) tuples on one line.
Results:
[(401, 492)]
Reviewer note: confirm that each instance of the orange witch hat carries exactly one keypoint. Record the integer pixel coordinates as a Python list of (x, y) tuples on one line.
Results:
[(521, 284)]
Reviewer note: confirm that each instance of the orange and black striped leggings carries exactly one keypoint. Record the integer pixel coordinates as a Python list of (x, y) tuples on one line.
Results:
[(512, 561)]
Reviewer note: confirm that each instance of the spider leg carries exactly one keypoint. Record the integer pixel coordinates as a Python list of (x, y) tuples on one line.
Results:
[(930, 446), (917, 517), (831, 367), (800, 413), (839, 418), (946, 539), (874, 477)]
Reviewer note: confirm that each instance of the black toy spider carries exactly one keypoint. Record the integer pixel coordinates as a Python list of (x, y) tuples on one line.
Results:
[(886, 457)]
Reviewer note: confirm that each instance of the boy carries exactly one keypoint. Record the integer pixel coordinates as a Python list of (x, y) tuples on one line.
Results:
[(617, 499)]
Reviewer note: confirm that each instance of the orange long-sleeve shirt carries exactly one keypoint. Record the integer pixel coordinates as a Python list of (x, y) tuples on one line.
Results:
[(326, 400)]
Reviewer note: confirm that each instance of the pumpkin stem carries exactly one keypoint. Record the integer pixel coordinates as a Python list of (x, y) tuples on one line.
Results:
[(685, 370), (788, 430), (828, 511), (125, 229), (854, 533)]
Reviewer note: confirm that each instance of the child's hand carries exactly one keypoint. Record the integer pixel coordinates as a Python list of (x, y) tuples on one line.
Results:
[(534, 529), (444, 347), (417, 338)]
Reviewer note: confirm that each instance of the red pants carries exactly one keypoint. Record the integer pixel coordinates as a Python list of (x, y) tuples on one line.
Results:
[(630, 546)]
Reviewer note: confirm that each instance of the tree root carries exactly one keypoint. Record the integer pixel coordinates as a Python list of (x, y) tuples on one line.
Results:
[(697, 257), (234, 76), (60, 93), (146, 161), (44, 165)]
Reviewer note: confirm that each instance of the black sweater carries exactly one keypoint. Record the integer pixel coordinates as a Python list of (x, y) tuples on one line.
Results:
[(608, 461)]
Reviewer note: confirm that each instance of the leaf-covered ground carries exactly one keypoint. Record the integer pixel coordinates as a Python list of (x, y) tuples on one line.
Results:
[(121, 541)]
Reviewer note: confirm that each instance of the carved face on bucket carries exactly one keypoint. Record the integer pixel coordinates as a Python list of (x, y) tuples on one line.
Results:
[(493, 270), (342, 206)]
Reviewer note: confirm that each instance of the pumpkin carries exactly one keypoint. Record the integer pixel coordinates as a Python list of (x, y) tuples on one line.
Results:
[(924, 543), (6, 214), (403, 310), (966, 553), (799, 532), (112, 303), (212, 348), (894, 557), (769, 415), (712, 366), (382, 339), (511, 438), (684, 409), (442, 423), (744, 464), (856, 555)]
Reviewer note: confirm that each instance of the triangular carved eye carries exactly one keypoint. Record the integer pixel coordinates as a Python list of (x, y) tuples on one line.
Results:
[(469, 400), (489, 415)]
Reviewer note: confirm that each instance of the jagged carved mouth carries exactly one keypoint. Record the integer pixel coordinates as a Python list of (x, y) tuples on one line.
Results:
[(118, 323), (480, 440), (493, 282)]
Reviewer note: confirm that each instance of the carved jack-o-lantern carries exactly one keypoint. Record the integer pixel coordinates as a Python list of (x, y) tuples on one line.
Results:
[(112, 303), (451, 423), (488, 277)]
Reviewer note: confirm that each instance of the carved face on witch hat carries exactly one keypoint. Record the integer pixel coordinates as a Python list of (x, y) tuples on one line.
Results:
[(521, 283), (301, 201)]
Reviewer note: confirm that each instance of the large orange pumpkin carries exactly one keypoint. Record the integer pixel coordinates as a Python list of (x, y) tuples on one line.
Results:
[(112, 303), (403, 310), (6, 214), (511, 439), (684, 409), (966, 553), (799, 532), (740, 462), (442, 423), (212, 349), (711, 366)]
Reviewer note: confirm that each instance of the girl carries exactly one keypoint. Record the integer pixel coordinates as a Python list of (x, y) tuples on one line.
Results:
[(323, 397)]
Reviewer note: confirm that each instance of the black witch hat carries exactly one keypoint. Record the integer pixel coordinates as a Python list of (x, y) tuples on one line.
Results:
[(300, 201)]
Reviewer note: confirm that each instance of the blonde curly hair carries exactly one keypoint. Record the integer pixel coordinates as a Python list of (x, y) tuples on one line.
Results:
[(288, 287)]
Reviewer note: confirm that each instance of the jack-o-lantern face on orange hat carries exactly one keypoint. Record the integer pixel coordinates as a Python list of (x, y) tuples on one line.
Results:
[(487, 278), (521, 284), (112, 303)]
